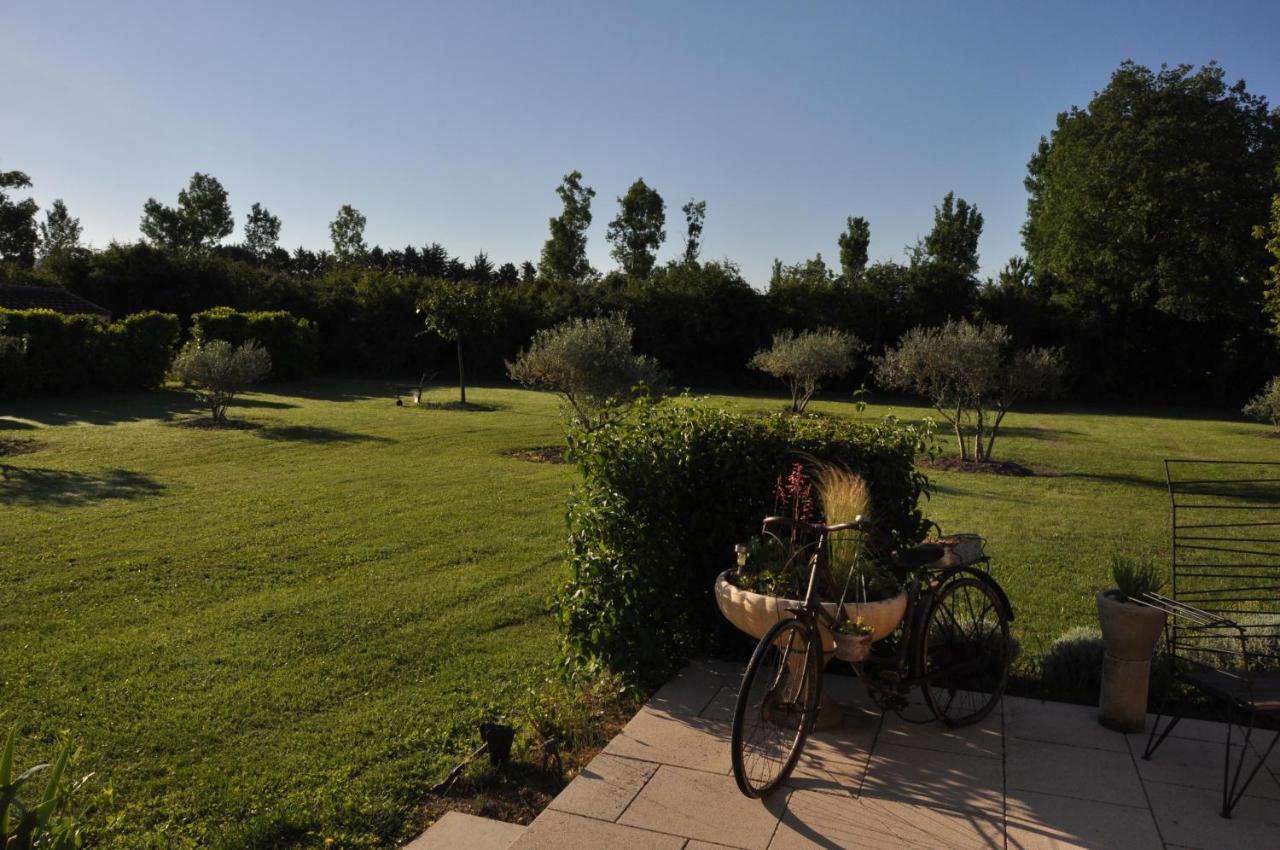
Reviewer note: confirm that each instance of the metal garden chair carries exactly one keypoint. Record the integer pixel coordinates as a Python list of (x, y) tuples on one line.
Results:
[(1222, 635)]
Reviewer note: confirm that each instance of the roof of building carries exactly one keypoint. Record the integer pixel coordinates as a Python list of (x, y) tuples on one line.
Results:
[(21, 297)]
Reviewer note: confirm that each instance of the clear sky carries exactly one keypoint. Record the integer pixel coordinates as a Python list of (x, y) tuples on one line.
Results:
[(454, 123)]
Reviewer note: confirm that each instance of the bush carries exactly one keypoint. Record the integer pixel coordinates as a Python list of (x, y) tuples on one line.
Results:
[(140, 349), (292, 342), (1265, 406), (1071, 671), (802, 361), (590, 364), (666, 494), (218, 372)]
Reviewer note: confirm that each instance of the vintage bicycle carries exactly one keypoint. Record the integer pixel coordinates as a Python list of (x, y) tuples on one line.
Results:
[(952, 642)]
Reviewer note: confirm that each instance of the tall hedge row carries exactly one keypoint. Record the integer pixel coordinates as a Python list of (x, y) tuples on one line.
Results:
[(666, 494), (292, 342), (58, 353)]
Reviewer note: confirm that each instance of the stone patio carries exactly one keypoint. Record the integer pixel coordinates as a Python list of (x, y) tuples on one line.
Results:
[(1032, 775)]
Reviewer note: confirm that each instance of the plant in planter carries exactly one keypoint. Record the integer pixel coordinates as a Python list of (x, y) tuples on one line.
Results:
[(1130, 630)]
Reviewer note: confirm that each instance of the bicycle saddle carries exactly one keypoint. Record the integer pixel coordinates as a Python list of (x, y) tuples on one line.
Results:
[(920, 555)]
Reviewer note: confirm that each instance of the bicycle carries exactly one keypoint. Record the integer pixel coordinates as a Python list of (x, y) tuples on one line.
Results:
[(952, 642)]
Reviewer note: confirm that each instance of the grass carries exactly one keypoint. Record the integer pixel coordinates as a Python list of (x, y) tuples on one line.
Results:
[(274, 635)]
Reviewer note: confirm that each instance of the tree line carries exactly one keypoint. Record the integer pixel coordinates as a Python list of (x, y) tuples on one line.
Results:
[(1152, 257)]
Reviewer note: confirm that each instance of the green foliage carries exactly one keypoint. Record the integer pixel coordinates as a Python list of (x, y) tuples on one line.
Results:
[(1265, 406), (638, 230), (695, 219), (140, 348), (217, 371), (1269, 234), (953, 241), (17, 222), (854, 243), (46, 820), (261, 232), (201, 220), (1071, 669), (291, 342), (564, 256), (803, 360), (590, 364), (347, 232), (458, 312), (59, 231), (668, 491), (1135, 576)]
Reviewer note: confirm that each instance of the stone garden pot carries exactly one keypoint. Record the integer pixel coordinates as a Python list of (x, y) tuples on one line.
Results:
[(1129, 634)]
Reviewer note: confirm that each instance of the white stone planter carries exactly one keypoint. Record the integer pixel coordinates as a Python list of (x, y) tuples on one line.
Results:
[(755, 613)]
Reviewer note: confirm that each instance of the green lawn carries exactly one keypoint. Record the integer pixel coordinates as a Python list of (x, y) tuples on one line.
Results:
[(292, 625)]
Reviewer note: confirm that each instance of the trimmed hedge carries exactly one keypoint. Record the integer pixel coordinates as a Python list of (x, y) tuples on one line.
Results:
[(667, 492), (67, 353), (292, 342)]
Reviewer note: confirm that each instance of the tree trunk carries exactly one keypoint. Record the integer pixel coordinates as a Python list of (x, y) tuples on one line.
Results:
[(964, 448), (462, 375), (978, 428), (995, 426)]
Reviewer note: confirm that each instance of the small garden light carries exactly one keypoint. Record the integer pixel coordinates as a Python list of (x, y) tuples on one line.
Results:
[(741, 551)]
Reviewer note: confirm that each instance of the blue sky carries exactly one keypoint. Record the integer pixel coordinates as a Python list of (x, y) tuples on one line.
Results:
[(455, 123)]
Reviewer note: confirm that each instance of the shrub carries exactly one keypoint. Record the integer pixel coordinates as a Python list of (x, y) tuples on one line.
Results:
[(291, 342), (1135, 576), (140, 350), (665, 495), (218, 372), (1071, 671), (589, 363), (1265, 406), (802, 361)]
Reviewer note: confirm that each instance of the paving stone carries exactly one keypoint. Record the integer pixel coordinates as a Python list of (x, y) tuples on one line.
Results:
[(1189, 817), (1182, 761), (1080, 772), (604, 788), (722, 704), (980, 739), (1036, 821), (814, 820), (554, 830), (704, 806), (951, 780), (835, 760), (1196, 730), (456, 830), (1059, 723), (707, 845), (698, 743), (686, 695)]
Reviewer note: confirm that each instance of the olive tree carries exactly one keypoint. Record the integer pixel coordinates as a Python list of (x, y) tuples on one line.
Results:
[(1265, 406), (803, 360), (971, 375), (217, 371), (590, 364)]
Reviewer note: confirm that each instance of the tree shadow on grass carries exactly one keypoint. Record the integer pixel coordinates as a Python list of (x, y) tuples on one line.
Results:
[(318, 435), (34, 486)]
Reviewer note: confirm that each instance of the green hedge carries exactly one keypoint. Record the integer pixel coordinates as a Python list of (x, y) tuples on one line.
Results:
[(62, 353), (291, 341), (666, 494)]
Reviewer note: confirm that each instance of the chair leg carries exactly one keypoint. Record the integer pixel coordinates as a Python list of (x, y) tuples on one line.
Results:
[(1152, 741), (1232, 793)]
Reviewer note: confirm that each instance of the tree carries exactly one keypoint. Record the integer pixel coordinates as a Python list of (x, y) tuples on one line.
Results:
[(261, 232), (953, 241), (1269, 233), (590, 364), (695, 217), (637, 231), (803, 360), (1265, 406), (457, 312), (564, 256), (347, 232), (201, 220), (854, 243), (970, 375), (217, 371), (59, 231), (18, 237)]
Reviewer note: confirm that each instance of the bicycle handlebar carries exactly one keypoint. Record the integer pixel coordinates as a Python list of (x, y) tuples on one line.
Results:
[(815, 527)]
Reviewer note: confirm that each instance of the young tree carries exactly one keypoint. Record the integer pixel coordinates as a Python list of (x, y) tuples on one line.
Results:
[(217, 371), (854, 243), (1269, 234), (637, 231), (590, 364), (457, 312), (564, 256), (59, 231), (953, 241), (802, 361), (347, 232), (1265, 406), (261, 232), (971, 376), (17, 222), (201, 220), (695, 217)]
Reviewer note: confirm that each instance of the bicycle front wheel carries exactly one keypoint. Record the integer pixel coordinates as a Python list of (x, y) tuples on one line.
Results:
[(777, 706), (964, 652)]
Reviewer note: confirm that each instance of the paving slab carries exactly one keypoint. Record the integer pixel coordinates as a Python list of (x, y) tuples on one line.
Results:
[(1081, 772), (1189, 817), (722, 704), (605, 787), (697, 743), (981, 739), (813, 820), (706, 807), (950, 780), (1182, 761), (1039, 821), (686, 695), (554, 830), (457, 830), (1059, 723)]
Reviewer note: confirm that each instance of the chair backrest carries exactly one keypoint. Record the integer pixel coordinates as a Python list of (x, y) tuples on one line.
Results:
[(1226, 550)]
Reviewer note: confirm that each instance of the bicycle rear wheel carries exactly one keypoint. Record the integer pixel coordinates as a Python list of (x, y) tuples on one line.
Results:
[(964, 651), (777, 706)]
